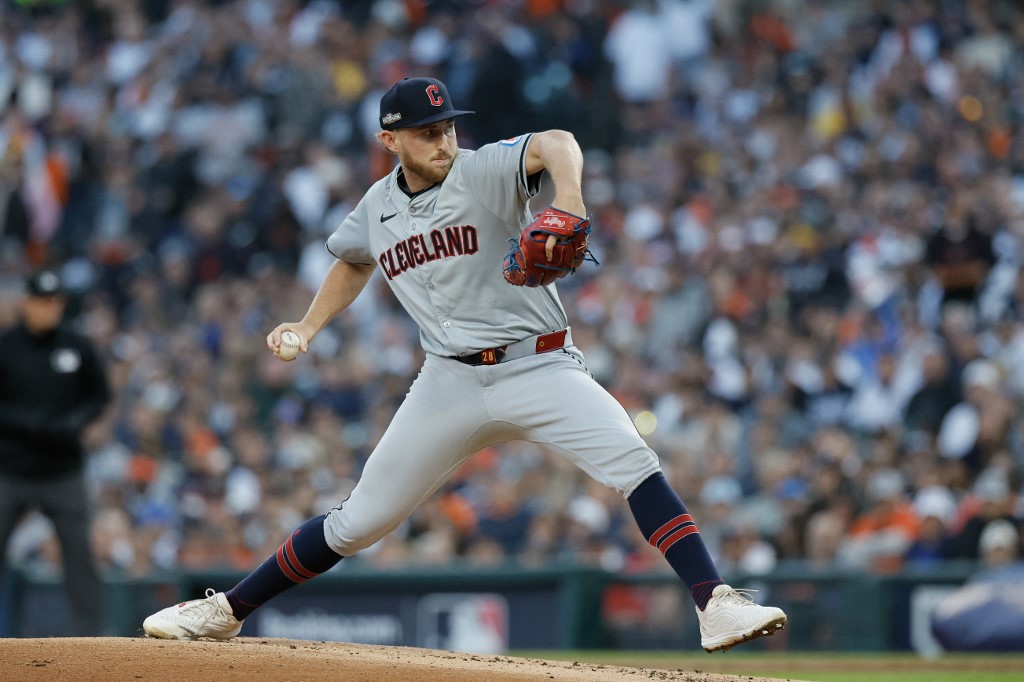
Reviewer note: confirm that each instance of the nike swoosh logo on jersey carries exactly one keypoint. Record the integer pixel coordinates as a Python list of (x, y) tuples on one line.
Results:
[(385, 218)]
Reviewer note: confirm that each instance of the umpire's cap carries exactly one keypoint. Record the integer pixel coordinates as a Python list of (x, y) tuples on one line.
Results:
[(44, 283), (416, 102)]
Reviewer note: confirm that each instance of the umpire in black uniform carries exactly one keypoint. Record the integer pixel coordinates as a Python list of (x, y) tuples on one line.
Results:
[(52, 384)]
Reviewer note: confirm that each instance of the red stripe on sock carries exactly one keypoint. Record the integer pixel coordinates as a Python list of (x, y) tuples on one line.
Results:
[(701, 592), (688, 524), (677, 536), (295, 563), (668, 527), (712, 583), (282, 563)]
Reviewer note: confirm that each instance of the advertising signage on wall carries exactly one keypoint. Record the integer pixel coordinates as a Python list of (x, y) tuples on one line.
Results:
[(471, 622)]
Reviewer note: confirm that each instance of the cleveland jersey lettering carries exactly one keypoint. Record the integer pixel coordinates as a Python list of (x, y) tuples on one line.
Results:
[(417, 250)]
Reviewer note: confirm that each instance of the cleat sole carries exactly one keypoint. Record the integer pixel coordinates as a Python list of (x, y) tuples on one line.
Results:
[(158, 633), (766, 630)]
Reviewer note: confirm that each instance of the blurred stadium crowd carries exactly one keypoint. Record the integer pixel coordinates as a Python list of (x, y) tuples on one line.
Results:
[(808, 214)]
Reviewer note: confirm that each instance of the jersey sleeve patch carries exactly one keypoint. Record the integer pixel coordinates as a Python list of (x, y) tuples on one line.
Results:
[(511, 142)]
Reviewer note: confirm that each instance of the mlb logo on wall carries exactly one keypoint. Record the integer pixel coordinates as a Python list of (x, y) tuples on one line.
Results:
[(469, 623)]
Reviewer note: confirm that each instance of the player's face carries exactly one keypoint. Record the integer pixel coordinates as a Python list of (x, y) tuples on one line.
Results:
[(426, 153), (42, 313)]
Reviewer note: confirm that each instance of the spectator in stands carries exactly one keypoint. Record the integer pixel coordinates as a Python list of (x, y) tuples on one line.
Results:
[(938, 393), (975, 428), (935, 507), (960, 255), (999, 546), (881, 535), (990, 500)]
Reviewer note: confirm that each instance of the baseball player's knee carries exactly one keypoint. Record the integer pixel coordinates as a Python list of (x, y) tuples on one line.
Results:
[(640, 475), (628, 470), (347, 535)]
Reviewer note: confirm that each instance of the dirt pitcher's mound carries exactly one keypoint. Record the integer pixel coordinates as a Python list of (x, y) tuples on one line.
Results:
[(104, 659)]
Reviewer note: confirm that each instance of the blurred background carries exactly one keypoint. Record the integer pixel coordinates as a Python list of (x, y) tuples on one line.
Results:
[(809, 217)]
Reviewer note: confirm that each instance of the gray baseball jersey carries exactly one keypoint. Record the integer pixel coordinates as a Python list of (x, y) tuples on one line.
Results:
[(442, 250)]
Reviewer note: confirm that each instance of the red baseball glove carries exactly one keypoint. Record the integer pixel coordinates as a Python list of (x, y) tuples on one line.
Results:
[(527, 264)]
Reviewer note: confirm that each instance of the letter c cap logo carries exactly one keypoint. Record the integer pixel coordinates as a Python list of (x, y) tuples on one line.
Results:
[(433, 94)]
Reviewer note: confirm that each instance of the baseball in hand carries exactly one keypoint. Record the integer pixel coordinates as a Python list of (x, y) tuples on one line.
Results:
[(289, 348)]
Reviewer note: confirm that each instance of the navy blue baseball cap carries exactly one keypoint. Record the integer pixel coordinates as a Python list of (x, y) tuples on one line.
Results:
[(416, 102), (44, 283)]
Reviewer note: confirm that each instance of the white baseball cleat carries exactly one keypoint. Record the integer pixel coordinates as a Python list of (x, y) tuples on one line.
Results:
[(210, 617), (732, 617)]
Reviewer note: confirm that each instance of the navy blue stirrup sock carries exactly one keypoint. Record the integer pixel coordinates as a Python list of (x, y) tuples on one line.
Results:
[(303, 556), (667, 525)]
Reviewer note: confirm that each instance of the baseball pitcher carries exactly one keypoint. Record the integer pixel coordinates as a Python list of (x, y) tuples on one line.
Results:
[(500, 361)]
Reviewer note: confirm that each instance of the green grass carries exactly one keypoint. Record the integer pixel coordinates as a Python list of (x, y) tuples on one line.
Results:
[(814, 667), (953, 676)]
